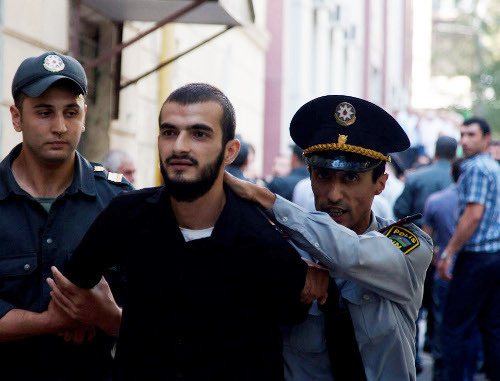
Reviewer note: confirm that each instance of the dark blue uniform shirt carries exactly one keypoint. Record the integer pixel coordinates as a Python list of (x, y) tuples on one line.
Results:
[(31, 241)]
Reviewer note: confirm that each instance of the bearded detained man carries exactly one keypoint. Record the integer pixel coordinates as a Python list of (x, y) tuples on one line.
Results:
[(209, 279)]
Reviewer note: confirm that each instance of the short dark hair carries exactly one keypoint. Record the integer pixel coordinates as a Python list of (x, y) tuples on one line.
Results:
[(19, 99), (446, 147), (203, 92), (483, 124), (378, 171), (456, 168)]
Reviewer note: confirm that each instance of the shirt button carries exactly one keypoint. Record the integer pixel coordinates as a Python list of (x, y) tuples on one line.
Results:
[(316, 245), (49, 240), (27, 266), (285, 219), (366, 297)]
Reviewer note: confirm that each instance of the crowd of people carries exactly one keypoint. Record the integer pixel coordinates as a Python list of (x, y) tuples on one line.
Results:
[(213, 277)]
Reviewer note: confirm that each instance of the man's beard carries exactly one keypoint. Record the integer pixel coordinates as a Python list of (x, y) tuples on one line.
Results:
[(190, 190)]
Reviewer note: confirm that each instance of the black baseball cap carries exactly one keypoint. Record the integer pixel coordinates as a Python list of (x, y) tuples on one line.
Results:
[(341, 132), (36, 74)]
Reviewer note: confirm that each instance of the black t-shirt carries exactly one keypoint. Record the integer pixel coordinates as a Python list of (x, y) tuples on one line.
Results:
[(207, 309)]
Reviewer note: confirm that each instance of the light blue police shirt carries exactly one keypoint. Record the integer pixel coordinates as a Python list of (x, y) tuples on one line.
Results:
[(381, 285)]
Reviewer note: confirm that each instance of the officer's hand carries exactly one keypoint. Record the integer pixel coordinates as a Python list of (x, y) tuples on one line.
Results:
[(316, 286), (249, 191), (78, 335), (443, 268), (90, 307)]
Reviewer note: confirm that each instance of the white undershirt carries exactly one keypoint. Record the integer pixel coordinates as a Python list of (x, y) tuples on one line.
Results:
[(191, 235)]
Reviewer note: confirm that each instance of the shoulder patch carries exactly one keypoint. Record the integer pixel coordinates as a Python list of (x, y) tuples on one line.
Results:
[(403, 238), (115, 177)]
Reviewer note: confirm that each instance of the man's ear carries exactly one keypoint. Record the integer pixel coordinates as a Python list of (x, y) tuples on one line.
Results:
[(380, 184), (231, 151), (15, 113)]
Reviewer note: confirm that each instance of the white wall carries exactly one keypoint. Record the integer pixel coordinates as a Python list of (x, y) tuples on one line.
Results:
[(29, 29), (422, 40)]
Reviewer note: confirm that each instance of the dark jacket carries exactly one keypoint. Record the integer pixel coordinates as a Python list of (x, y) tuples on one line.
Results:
[(420, 185), (31, 241), (285, 185), (208, 309)]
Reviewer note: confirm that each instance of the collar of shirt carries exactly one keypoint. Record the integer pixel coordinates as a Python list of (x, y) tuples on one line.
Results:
[(373, 224), (470, 161), (83, 179), (228, 226), (443, 163)]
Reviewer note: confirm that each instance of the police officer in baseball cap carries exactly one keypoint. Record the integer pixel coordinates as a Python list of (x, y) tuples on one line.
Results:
[(49, 196), (378, 266)]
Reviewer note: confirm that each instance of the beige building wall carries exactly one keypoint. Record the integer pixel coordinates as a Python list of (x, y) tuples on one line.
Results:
[(136, 129), (29, 29), (235, 63)]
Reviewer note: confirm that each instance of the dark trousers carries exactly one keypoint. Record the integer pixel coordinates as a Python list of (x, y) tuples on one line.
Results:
[(474, 347), (473, 297)]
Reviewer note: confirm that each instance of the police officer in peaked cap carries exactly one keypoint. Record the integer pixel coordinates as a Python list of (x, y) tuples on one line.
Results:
[(49, 196), (377, 266)]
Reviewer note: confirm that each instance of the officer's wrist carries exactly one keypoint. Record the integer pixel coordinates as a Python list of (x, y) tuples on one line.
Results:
[(446, 255), (264, 197)]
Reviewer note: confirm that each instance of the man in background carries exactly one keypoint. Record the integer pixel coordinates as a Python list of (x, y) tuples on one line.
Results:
[(426, 180), (236, 167), (474, 291), (119, 161), (285, 185), (439, 222), (494, 150), (419, 185)]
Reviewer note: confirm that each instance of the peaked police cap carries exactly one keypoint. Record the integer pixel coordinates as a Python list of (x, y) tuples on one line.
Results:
[(346, 133)]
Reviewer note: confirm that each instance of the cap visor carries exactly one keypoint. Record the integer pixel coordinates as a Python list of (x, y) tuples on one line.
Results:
[(37, 88), (341, 163)]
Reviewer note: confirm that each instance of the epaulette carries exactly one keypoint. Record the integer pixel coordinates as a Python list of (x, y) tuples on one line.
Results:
[(400, 236), (403, 221), (110, 176)]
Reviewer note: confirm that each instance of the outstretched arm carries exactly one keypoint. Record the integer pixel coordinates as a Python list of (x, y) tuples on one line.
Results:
[(371, 260), (251, 192)]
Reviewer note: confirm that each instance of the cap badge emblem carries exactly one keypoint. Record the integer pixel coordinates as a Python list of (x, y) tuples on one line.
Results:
[(345, 114), (53, 63)]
